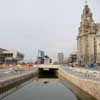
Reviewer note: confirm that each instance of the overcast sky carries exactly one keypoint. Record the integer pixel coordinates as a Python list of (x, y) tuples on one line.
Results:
[(50, 25)]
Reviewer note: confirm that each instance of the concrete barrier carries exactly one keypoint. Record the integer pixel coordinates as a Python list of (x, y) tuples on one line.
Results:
[(11, 82), (89, 86)]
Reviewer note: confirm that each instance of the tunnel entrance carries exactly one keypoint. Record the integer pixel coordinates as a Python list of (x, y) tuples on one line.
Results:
[(47, 73)]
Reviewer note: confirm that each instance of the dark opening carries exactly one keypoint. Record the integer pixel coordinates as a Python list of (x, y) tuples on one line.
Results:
[(47, 73)]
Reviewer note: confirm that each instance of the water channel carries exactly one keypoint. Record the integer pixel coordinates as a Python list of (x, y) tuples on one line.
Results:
[(42, 89), (45, 89)]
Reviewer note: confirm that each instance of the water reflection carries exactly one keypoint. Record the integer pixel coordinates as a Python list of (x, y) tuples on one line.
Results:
[(43, 89)]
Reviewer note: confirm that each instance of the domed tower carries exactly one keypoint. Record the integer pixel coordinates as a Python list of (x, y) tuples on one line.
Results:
[(86, 38), (87, 24)]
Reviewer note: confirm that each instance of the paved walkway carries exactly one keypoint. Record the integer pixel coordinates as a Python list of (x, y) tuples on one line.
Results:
[(83, 73), (5, 74)]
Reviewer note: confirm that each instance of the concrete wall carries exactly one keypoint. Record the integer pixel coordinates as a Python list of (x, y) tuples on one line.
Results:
[(89, 86), (5, 85)]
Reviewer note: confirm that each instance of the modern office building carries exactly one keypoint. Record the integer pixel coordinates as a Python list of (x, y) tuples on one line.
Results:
[(47, 60), (43, 58), (60, 58), (40, 57), (10, 57)]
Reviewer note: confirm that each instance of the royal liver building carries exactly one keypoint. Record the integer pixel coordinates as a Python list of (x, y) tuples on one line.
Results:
[(88, 39)]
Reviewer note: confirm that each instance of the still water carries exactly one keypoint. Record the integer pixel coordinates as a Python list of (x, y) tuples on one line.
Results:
[(42, 89)]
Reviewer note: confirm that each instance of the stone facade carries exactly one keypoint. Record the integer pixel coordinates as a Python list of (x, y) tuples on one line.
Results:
[(88, 40), (98, 44)]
